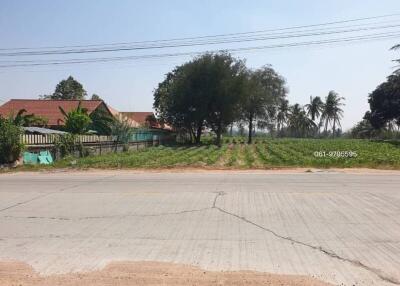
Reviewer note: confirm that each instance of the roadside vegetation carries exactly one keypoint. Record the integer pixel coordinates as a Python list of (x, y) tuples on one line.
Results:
[(10, 145), (215, 95), (263, 154)]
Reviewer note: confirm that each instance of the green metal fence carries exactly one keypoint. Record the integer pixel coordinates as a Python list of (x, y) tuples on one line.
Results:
[(149, 134)]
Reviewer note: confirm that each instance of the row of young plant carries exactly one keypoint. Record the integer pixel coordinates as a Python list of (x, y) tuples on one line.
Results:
[(264, 154)]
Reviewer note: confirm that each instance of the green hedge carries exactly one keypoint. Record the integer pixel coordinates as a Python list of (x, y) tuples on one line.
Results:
[(10, 145)]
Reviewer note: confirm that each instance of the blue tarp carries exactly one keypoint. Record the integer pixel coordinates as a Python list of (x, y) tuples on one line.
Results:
[(44, 157)]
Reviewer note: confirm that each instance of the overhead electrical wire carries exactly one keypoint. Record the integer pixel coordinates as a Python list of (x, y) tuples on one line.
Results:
[(376, 36), (217, 35), (190, 44), (318, 34)]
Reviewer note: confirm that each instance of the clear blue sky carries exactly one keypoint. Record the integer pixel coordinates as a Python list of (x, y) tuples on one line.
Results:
[(352, 70)]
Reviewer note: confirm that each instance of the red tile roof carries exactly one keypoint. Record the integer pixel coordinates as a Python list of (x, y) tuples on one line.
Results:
[(139, 117), (47, 108)]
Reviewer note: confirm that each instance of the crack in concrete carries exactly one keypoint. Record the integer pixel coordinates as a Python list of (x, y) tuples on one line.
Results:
[(108, 217), (50, 193), (26, 202), (379, 273), (218, 194)]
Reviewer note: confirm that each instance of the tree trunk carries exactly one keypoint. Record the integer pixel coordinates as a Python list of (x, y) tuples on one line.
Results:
[(334, 127), (219, 133), (326, 126), (198, 133), (192, 135), (231, 130), (250, 129)]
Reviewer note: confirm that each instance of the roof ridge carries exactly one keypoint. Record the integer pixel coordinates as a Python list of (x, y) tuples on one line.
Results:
[(38, 99)]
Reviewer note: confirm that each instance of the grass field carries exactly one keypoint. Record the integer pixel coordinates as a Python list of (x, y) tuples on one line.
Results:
[(263, 154)]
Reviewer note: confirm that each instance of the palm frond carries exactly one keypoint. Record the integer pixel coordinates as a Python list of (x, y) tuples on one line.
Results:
[(63, 111), (20, 112)]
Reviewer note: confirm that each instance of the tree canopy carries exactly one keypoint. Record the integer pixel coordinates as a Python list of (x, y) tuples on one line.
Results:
[(264, 92), (203, 92), (332, 112), (299, 124), (68, 89), (384, 103), (95, 97), (216, 91), (315, 107)]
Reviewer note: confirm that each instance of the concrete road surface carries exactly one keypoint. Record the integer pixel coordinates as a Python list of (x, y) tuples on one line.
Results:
[(336, 226)]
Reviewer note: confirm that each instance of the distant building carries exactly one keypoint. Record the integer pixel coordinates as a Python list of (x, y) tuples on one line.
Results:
[(49, 109), (141, 119)]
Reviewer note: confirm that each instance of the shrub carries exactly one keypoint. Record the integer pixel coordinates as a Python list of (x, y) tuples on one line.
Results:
[(77, 121), (66, 145), (125, 147), (122, 131), (10, 144)]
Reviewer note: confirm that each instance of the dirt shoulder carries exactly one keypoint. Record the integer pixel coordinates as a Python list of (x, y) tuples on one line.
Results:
[(204, 170), (147, 273)]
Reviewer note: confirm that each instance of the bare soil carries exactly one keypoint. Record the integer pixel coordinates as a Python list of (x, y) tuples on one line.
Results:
[(146, 273)]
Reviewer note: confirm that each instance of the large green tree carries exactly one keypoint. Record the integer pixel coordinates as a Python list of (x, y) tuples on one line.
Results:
[(204, 92), (95, 97), (68, 89), (179, 101), (384, 103), (364, 130), (226, 89), (264, 90)]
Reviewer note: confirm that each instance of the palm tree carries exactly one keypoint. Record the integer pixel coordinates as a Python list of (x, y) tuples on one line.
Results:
[(21, 118), (101, 122), (77, 120), (332, 112), (397, 47), (282, 114), (315, 107), (300, 124)]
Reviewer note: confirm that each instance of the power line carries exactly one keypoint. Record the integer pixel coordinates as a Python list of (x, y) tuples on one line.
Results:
[(191, 44), (217, 35), (383, 30), (370, 37)]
